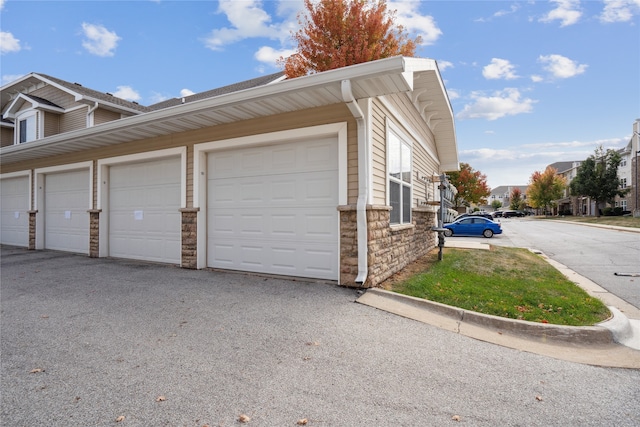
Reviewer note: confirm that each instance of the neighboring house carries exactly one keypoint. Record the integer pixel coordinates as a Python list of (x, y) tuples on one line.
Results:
[(503, 195), (326, 176)]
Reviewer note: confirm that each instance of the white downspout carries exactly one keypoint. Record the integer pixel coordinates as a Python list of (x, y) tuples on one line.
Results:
[(90, 119), (363, 181)]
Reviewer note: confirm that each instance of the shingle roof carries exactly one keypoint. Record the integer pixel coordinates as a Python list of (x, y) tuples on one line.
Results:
[(75, 87), (247, 84), (41, 100), (562, 166)]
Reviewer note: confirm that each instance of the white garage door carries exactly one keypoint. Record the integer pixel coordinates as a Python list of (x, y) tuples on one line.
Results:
[(66, 220), (14, 219), (144, 217), (273, 209)]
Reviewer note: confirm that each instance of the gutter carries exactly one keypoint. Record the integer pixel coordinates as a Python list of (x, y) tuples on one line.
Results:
[(363, 181)]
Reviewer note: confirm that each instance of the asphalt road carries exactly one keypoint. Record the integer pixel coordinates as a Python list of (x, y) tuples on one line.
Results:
[(595, 253), (85, 341)]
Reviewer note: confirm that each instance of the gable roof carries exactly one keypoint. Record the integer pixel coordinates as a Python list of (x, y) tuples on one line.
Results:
[(418, 78), (81, 93), (35, 101), (507, 189)]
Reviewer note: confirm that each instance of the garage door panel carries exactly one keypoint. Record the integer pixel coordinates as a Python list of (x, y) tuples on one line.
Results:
[(297, 157), (277, 257), (273, 209), (66, 202), (144, 217), (14, 204), (310, 189)]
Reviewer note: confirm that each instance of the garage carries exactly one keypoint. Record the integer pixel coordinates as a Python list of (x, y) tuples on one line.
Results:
[(144, 199), (14, 220), (272, 209), (65, 210)]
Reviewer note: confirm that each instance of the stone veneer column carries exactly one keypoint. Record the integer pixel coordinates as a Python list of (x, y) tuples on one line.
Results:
[(189, 238), (94, 233), (32, 230), (390, 249)]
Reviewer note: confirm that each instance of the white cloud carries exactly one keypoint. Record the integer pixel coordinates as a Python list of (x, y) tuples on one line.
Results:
[(499, 69), (502, 12), (408, 15), (561, 67), (248, 19), (99, 41), (128, 93), (453, 94), (8, 43), (443, 65), (619, 10), (507, 102), (567, 12), (536, 78), (1, 4), (186, 92), (269, 55), (9, 78)]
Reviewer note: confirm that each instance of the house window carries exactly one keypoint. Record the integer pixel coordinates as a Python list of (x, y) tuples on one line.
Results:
[(399, 167), (623, 205), (623, 183), (623, 163), (26, 129)]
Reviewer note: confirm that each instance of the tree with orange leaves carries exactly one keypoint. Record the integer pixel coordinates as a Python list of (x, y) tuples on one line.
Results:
[(471, 185), (338, 33), (545, 188)]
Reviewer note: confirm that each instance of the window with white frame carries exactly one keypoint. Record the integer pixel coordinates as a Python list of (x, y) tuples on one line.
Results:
[(399, 176), (623, 183), (26, 129)]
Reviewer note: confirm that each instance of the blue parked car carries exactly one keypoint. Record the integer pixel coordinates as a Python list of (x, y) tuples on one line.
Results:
[(472, 226)]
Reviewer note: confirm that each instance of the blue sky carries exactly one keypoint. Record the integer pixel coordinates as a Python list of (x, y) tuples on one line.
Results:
[(530, 83)]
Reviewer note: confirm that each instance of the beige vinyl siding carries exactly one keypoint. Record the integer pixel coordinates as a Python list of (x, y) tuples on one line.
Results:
[(423, 162), (312, 117), (51, 124), (379, 154), (73, 120), (6, 136), (55, 95), (102, 115)]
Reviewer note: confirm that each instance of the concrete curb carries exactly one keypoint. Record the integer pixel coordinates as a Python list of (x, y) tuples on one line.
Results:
[(591, 345), (544, 332)]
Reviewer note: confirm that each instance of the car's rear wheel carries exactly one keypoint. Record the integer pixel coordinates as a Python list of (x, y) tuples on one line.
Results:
[(448, 232), (487, 233)]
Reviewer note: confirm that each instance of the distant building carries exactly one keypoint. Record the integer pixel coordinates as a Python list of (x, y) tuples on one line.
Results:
[(503, 195), (568, 204)]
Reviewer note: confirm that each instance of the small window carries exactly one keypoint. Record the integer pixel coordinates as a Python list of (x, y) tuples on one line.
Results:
[(399, 167), (26, 129)]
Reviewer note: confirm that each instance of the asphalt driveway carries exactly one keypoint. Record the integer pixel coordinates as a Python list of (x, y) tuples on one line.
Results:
[(85, 341)]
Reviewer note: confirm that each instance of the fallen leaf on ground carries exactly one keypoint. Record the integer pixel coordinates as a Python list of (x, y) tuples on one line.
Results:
[(314, 343), (244, 418), (456, 418), (161, 399), (35, 371), (539, 398), (303, 422), (120, 418)]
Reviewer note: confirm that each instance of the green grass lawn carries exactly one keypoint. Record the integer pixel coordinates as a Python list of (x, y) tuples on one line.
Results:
[(506, 282), (620, 221)]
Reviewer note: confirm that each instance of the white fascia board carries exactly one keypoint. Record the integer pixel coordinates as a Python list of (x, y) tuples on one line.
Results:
[(392, 65)]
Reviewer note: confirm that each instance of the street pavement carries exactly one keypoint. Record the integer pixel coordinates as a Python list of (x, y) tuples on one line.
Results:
[(594, 252), (86, 341)]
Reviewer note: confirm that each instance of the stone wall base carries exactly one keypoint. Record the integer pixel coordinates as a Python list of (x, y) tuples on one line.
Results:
[(390, 248)]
